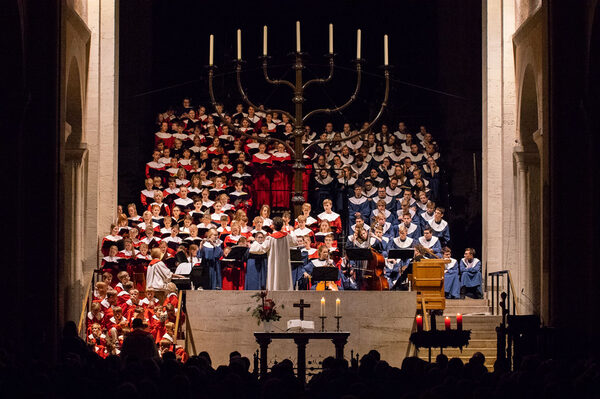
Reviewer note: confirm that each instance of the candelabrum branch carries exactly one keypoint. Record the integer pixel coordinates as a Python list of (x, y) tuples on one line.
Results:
[(234, 128), (365, 129), (276, 82), (322, 81), (347, 103), (247, 100)]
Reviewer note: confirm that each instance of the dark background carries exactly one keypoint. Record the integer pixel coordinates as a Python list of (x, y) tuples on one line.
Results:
[(435, 47)]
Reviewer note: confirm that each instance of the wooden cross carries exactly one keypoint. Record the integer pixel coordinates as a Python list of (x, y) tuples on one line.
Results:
[(302, 305)]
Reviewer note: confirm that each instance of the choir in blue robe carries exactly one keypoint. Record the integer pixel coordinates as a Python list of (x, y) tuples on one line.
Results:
[(256, 268), (433, 244), (452, 279), (471, 274), (211, 255), (360, 205), (413, 231), (441, 231)]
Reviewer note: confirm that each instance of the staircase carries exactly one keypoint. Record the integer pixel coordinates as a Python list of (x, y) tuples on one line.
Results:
[(478, 319)]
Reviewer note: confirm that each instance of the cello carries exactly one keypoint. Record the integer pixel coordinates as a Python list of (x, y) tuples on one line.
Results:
[(376, 281)]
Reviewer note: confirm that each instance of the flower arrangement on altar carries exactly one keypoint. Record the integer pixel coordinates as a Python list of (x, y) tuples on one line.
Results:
[(266, 310)]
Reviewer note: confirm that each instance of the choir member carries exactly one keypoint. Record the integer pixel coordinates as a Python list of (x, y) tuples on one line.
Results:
[(470, 270), (440, 226), (210, 252), (429, 241), (451, 275), (333, 218)]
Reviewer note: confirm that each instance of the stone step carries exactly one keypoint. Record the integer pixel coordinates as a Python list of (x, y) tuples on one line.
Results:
[(472, 322), (467, 306)]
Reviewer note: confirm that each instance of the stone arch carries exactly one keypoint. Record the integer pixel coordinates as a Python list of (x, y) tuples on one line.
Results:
[(529, 194), (74, 105)]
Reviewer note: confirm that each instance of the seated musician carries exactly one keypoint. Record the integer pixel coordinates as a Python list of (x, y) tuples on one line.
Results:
[(323, 261)]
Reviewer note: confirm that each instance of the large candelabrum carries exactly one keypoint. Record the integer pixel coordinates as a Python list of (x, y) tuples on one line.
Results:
[(298, 87)]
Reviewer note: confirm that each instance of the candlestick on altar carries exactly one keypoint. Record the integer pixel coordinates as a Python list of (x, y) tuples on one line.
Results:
[(337, 322), (447, 323), (239, 44), (322, 323), (322, 306), (419, 323), (358, 44), (459, 321)]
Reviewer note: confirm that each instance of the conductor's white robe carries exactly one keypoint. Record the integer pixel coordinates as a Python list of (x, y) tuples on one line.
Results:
[(279, 269)]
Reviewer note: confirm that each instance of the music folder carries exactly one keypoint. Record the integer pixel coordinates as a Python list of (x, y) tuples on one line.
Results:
[(402, 253), (296, 258), (238, 253), (325, 273), (359, 253)]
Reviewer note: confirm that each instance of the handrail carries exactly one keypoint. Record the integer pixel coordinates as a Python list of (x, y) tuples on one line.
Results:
[(179, 307), (495, 287), (84, 304)]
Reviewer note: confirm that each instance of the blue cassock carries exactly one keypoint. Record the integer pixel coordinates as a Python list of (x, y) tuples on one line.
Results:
[(381, 246), (433, 244), (471, 274), (452, 279), (390, 203), (389, 217), (256, 272), (394, 273), (360, 205), (413, 231), (211, 256), (441, 231)]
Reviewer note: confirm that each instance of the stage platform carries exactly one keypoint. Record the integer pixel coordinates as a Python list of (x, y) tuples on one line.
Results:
[(220, 323)]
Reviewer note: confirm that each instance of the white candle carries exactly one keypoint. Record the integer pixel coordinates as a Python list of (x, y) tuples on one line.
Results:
[(211, 49), (239, 40), (337, 307), (385, 50), (330, 38), (358, 44), (265, 40), (322, 306), (297, 36)]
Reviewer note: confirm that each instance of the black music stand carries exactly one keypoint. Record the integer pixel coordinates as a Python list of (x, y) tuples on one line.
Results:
[(359, 253), (325, 273), (402, 253)]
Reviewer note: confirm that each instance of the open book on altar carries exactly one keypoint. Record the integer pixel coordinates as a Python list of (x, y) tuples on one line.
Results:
[(299, 325)]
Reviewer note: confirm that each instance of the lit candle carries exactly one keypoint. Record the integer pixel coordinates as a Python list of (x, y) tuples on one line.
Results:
[(330, 38), (447, 323), (358, 44), (458, 321), (265, 40), (211, 49), (239, 48), (297, 36), (322, 306), (337, 307), (419, 323), (385, 50)]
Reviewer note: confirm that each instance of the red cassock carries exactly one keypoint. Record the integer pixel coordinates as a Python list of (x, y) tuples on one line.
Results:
[(281, 182), (233, 275), (306, 180), (262, 181), (172, 299), (334, 219)]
